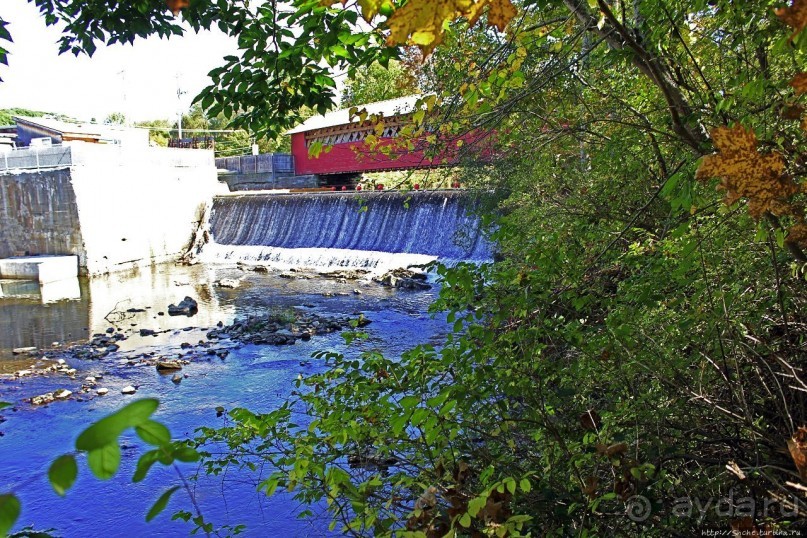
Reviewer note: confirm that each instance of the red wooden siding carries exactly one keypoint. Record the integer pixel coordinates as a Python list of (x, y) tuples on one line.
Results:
[(347, 157)]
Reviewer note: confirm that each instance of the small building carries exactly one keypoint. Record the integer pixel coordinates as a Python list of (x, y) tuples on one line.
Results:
[(7, 141), (60, 132)]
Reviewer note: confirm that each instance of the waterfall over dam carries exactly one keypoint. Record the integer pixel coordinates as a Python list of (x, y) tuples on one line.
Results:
[(371, 230)]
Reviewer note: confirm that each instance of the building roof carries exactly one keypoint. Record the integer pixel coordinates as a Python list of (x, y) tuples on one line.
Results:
[(388, 108), (85, 130)]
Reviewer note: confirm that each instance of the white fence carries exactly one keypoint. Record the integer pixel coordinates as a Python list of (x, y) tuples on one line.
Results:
[(35, 158), (83, 154)]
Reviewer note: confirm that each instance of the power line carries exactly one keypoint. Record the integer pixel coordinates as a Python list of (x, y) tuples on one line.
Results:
[(193, 130)]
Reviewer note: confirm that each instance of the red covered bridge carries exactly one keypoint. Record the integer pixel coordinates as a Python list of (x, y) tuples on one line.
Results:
[(349, 154)]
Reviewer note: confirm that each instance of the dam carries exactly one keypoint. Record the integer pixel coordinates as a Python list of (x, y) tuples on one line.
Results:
[(369, 230)]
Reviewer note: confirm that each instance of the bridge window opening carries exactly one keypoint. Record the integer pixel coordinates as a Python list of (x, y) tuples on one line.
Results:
[(345, 135)]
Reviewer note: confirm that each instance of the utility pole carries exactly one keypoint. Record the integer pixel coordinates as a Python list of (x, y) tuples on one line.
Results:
[(122, 74), (180, 93)]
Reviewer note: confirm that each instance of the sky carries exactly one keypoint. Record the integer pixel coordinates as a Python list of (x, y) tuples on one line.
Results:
[(140, 80)]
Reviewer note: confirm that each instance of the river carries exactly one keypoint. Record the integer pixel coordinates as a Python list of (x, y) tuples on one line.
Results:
[(254, 376)]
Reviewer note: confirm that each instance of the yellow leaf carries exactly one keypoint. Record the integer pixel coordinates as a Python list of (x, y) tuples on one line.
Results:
[(370, 8), (797, 234), (794, 16), (746, 173), (423, 22), (797, 445), (799, 82), (177, 5), (501, 13)]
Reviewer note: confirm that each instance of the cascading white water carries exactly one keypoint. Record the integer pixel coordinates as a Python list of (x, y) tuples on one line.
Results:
[(374, 231)]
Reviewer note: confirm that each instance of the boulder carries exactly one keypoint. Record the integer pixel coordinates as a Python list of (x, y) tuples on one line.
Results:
[(42, 399), (228, 283), (128, 389), (102, 391), (22, 350), (186, 307), (412, 284), (62, 394), (169, 365)]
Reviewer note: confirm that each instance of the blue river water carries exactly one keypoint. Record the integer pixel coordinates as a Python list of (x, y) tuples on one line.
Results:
[(257, 377)]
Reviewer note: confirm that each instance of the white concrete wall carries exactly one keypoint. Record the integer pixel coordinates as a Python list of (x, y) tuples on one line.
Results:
[(139, 206)]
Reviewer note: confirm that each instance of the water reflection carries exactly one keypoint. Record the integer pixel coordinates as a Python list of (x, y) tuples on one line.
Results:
[(33, 314), (38, 315)]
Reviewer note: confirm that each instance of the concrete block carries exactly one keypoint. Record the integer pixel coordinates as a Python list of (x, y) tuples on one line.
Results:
[(40, 268)]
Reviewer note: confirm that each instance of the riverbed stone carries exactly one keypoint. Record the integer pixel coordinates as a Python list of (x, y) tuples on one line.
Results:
[(169, 365), (186, 307), (103, 391), (128, 389), (42, 399), (62, 394)]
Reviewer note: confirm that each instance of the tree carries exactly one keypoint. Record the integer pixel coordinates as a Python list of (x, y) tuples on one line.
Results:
[(158, 131), (115, 118), (623, 353), (640, 339), (378, 83)]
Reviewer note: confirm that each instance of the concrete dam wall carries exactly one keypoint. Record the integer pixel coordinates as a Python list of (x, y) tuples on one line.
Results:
[(114, 208), (374, 231), (38, 214)]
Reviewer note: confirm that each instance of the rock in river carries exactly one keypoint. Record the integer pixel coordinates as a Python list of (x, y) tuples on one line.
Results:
[(128, 389), (42, 399), (169, 365), (186, 307)]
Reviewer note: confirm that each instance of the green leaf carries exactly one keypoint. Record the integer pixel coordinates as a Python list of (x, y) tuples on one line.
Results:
[(465, 520), (144, 464), (525, 485), (9, 512), (104, 461), (62, 473), (476, 504), (5, 404), (160, 504), (186, 454), (107, 430), (154, 433), (408, 402)]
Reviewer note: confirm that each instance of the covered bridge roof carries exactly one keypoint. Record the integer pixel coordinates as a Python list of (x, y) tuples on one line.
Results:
[(388, 108)]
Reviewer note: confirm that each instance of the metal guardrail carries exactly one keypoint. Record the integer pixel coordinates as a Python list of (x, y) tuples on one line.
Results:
[(35, 158), (274, 163)]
